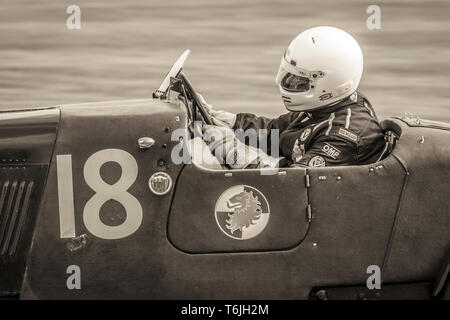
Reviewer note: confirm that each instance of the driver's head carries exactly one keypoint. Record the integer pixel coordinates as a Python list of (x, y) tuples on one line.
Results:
[(321, 66)]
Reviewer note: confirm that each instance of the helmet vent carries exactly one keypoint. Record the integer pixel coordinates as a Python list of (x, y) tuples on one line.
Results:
[(314, 41)]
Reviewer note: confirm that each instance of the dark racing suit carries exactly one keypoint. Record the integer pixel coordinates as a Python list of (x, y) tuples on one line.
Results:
[(347, 133)]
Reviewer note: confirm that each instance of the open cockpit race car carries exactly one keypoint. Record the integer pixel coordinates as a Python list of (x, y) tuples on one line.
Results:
[(93, 207)]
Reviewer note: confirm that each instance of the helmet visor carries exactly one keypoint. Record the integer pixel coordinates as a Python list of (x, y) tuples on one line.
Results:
[(294, 83)]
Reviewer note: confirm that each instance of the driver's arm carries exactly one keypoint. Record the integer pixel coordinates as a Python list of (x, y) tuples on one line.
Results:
[(247, 121), (251, 124), (233, 153)]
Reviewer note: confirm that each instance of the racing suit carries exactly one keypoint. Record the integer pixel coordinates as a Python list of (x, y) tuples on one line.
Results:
[(347, 133)]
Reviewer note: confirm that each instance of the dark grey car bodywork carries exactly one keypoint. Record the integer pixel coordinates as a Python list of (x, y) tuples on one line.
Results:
[(327, 224)]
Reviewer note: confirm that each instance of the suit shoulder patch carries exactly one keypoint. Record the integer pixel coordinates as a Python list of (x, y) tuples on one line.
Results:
[(346, 134), (317, 161)]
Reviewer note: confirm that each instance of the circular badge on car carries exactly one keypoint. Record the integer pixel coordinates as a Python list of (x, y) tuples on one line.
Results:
[(160, 183), (242, 212)]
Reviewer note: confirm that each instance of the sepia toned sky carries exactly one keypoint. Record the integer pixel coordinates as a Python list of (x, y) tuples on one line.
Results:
[(124, 49)]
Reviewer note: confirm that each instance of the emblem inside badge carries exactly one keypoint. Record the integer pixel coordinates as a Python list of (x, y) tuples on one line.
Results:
[(242, 212), (160, 183)]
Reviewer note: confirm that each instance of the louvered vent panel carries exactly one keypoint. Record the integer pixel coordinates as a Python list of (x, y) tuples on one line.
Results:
[(14, 203)]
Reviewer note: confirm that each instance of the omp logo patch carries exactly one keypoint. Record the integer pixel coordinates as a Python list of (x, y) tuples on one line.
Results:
[(331, 151), (347, 134), (242, 212)]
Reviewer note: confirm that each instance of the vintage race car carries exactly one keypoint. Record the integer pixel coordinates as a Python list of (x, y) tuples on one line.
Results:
[(92, 206)]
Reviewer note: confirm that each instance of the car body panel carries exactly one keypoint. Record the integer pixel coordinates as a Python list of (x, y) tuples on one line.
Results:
[(421, 234), (191, 232), (326, 225), (86, 129), (27, 138), (354, 208)]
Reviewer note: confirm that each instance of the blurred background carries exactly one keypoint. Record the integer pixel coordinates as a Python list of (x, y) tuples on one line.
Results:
[(124, 49)]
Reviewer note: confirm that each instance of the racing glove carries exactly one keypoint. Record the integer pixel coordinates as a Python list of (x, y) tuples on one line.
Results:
[(229, 150), (219, 117)]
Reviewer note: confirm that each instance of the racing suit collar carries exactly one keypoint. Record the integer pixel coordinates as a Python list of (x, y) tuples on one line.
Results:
[(325, 111)]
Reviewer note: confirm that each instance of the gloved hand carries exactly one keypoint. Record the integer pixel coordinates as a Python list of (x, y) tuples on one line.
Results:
[(229, 150), (219, 117)]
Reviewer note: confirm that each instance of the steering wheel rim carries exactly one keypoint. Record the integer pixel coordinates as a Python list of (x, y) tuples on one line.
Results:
[(195, 101)]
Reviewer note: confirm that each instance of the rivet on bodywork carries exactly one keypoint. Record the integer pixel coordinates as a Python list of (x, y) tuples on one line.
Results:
[(228, 174), (338, 178), (281, 173), (177, 118), (145, 143), (422, 139), (371, 169), (322, 178), (315, 244)]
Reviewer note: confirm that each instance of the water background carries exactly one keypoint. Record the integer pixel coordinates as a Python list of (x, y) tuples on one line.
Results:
[(124, 49)]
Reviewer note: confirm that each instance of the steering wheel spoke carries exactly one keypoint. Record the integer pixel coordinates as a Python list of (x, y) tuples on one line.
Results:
[(196, 106)]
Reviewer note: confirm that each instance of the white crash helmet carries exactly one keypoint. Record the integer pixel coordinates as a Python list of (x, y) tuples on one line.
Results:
[(321, 66)]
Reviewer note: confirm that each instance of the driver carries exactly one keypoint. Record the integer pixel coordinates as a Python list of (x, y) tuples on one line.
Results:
[(329, 121)]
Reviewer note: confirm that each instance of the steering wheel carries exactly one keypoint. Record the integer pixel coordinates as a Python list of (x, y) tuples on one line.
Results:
[(193, 103), (176, 80)]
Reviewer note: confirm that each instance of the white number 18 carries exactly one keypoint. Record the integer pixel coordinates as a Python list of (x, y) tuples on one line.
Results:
[(103, 193)]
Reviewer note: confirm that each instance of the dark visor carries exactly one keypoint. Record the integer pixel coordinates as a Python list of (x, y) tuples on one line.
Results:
[(292, 82)]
